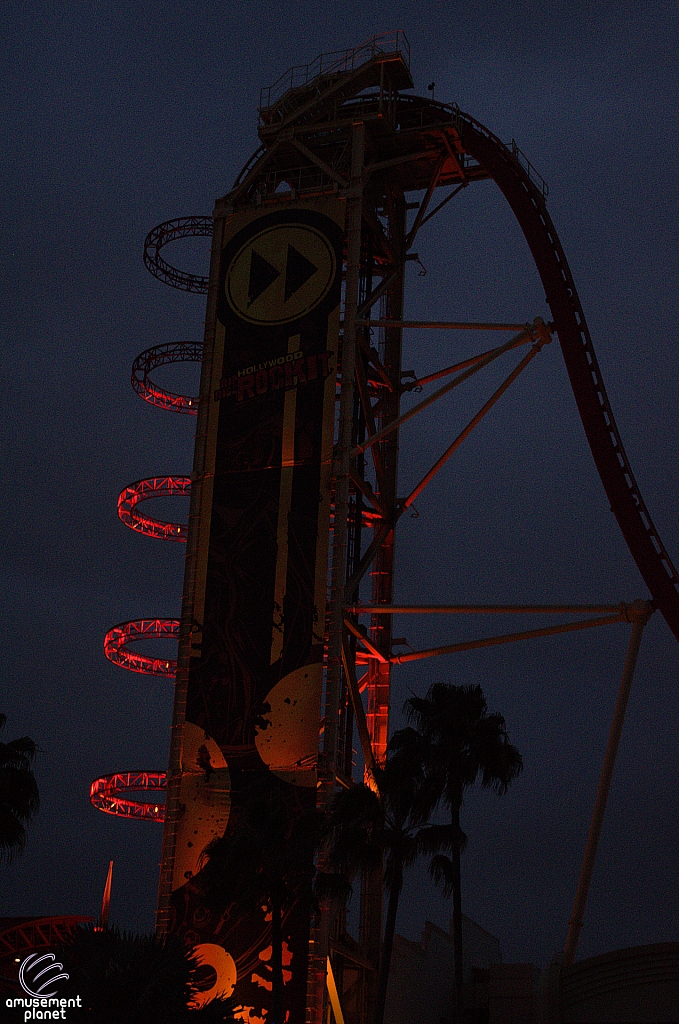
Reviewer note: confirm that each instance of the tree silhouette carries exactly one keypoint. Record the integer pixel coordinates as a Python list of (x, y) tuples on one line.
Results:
[(124, 978), (19, 798), (265, 858), (465, 742), (387, 830)]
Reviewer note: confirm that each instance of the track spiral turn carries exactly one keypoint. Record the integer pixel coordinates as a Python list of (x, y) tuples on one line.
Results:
[(170, 231), (118, 639), (161, 355), (153, 487), (110, 794)]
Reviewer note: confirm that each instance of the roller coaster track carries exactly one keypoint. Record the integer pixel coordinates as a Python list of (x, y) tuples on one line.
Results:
[(161, 355), (112, 794), (526, 194), (170, 231), (23, 935), (115, 793), (153, 487), (627, 504), (118, 639)]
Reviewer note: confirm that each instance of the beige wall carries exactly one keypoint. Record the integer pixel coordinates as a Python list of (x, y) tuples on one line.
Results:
[(422, 973), (639, 985)]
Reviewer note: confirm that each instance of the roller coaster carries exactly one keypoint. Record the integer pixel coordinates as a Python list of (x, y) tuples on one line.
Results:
[(114, 793), (344, 127)]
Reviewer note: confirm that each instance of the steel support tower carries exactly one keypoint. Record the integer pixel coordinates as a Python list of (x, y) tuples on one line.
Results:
[(289, 583)]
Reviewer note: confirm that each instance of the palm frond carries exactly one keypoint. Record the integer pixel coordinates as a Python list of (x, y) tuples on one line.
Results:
[(436, 838), (13, 835), (19, 797), (18, 753), (442, 872), (466, 741)]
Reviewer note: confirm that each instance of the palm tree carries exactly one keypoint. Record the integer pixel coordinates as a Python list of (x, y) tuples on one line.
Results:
[(465, 742), (266, 858), (19, 798), (370, 831)]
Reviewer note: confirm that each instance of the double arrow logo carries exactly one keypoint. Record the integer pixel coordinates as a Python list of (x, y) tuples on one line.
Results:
[(280, 274), (298, 270)]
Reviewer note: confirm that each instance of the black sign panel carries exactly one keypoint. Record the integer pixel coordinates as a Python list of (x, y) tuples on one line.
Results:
[(254, 692)]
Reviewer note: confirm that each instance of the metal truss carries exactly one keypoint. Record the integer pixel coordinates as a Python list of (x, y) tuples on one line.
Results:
[(118, 639), (162, 355), (343, 126), (599, 615), (170, 231), (153, 487), (37, 933), (110, 794)]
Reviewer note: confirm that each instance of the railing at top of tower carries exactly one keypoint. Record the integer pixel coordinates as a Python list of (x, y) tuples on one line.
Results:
[(512, 147), (528, 167), (335, 62)]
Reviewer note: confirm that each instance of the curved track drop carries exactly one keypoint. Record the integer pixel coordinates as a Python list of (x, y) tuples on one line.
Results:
[(403, 144), (336, 137), (527, 202)]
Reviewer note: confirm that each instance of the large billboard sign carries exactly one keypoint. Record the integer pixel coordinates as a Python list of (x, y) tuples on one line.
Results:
[(258, 586)]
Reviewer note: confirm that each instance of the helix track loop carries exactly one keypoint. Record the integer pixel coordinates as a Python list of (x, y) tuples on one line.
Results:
[(153, 487), (161, 355), (118, 640), (170, 231), (111, 794)]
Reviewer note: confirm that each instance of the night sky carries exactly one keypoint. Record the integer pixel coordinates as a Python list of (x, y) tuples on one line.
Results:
[(119, 115)]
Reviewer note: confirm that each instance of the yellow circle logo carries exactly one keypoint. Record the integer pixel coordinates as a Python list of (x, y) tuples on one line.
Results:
[(211, 955), (280, 275)]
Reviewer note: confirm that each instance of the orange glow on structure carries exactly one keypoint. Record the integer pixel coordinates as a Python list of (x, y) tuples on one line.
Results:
[(110, 794), (117, 640)]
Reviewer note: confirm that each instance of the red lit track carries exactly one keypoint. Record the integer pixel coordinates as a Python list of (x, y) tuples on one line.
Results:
[(118, 639), (153, 487), (111, 794), (24, 934), (161, 355), (369, 519), (170, 231), (528, 205), (451, 134)]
